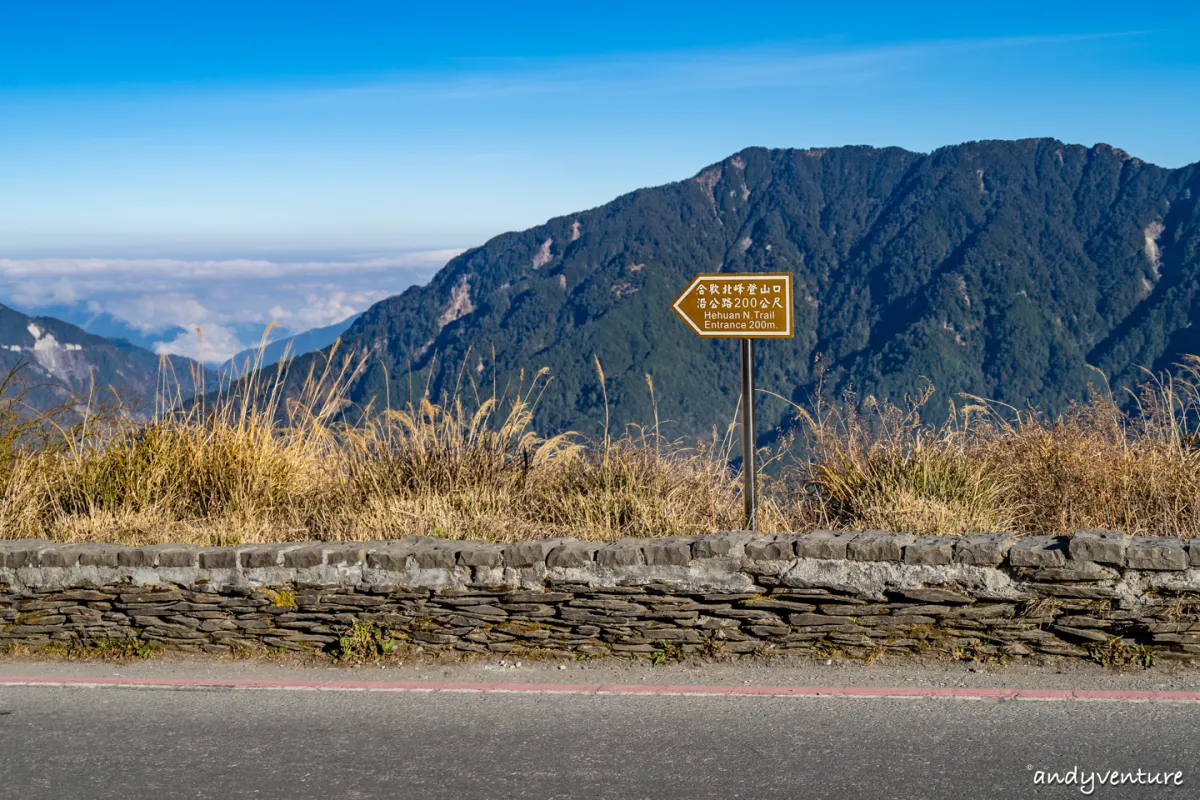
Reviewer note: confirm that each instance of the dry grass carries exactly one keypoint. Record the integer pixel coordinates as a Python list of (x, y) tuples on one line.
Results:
[(256, 466), (990, 467)]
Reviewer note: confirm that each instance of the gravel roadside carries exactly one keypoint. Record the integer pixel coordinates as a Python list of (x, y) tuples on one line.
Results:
[(757, 672)]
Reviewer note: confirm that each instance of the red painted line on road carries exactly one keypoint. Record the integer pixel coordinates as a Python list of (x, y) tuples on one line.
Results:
[(958, 693)]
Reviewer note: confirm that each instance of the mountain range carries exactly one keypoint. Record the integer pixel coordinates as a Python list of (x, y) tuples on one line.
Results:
[(287, 345), (1010, 270), (62, 363), (88, 317)]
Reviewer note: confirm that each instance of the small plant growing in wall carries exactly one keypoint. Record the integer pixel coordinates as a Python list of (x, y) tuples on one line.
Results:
[(1116, 654), (665, 653), (712, 648), (124, 648), (824, 650), (364, 642), (1185, 604)]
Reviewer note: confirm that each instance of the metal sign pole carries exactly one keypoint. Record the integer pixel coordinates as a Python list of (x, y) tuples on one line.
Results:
[(745, 306), (749, 462)]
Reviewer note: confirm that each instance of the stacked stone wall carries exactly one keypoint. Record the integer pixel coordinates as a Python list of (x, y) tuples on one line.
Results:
[(1098, 594)]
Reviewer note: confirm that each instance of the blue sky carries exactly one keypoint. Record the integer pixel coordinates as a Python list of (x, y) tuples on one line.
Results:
[(174, 147)]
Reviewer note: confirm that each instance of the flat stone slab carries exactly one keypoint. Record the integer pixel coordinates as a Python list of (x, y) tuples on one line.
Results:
[(721, 545), (529, 554), (878, 546), (1156, 554), (480, 554), (673, 552), (100, 555), (984, 549), (824, 544), (61, 555), (625, 553), (936, 596), (440, 556), (218, 557), (1039, 551), (573, 554), (1100, 547), (17, 553), (931, 551), (778, 548), (158, 555), (1073, 571), (304, 557)]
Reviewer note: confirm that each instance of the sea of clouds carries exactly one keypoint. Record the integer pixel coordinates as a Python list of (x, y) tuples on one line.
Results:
[(209, 309)]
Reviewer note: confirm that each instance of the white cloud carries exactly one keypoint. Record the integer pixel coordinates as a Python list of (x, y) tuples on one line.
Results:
[(333, 305), (212, 344), (162, 311), (322, 310), (230, 300), (37, 293), (196, 331)]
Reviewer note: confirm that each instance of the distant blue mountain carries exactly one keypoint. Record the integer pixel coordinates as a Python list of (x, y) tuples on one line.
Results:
[(101, 323), (298, 345), (57, 362)]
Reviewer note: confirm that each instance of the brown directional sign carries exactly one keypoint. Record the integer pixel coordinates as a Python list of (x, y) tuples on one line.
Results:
[(741, 305)]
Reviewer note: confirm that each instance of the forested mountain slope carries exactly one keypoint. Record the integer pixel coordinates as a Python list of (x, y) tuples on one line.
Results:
[(1000, 268)]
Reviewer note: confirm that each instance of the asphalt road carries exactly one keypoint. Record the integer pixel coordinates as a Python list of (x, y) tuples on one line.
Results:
[(90, 744)]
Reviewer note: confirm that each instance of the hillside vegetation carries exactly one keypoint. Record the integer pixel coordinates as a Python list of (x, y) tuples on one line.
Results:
[(61, 363), (230, 472), (1001, 269)]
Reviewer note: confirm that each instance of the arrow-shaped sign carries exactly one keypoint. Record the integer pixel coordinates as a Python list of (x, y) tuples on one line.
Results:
[(739, 305), (746, 306)]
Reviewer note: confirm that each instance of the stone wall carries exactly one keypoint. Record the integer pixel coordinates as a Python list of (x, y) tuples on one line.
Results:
[(1098, 594)]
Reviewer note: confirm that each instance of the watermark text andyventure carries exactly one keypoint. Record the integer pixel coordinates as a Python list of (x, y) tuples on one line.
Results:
[(1088, 781)]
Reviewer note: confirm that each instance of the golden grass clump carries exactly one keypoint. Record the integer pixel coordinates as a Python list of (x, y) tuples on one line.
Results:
[(192, 471), (875, 466), (484, 474), (996, 468), (253, 464)]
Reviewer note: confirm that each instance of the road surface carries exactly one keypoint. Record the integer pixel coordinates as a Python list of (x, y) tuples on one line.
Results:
[(91, 743)]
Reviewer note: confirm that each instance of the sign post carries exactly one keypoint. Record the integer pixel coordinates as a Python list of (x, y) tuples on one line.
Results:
[(749, 452), (746, 306)]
